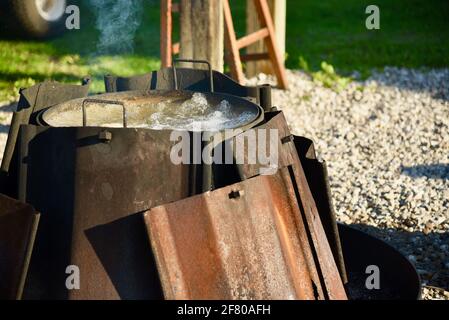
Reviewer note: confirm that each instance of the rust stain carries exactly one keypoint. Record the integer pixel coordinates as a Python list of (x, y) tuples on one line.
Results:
[(332, 281), (324, 271)]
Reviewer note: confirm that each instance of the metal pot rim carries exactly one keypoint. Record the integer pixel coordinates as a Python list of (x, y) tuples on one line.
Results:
[(129, 99)]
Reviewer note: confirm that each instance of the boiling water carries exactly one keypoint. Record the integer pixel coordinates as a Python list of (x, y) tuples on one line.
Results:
[(197, 114), (194, 114)]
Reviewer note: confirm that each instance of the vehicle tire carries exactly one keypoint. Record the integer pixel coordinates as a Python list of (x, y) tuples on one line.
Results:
[(37, 18)]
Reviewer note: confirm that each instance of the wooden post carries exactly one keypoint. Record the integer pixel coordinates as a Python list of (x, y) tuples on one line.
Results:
[(278, 9), (201, 31)]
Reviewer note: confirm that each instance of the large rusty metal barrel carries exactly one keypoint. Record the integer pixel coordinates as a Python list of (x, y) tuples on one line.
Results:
[(91, 170)]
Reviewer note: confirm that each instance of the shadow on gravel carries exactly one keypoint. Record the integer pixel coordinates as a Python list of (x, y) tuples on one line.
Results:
[(428, 252), (406, 79), (431, 171), (4, 128), (4, 123), (9, 107)]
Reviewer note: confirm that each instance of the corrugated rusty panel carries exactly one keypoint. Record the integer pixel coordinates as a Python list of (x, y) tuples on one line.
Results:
[(326, 268), (317, 178), (324, 258), (244, 241), (18, 224)]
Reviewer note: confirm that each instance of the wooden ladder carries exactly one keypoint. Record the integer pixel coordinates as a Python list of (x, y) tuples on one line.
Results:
[(168, 49), (232, 44)]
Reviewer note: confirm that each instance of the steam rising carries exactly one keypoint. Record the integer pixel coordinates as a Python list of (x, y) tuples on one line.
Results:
[(117, 21)]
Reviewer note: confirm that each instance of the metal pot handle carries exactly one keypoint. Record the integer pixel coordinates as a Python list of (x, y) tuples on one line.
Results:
[(86, 101), (175, 76)]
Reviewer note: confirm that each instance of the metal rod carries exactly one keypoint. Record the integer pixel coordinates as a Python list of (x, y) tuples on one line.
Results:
[(175, 76), (265, 97), (119, 103)]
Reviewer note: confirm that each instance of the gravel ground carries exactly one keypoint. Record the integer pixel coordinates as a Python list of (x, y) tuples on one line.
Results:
[(386, 142)]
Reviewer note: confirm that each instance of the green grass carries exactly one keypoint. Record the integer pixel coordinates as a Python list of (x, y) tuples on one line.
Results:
[(414, 33), (73, 56)]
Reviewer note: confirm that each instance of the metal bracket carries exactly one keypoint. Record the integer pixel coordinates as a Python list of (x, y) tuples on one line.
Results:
[(287, 139), (105, 136), (235, 194)]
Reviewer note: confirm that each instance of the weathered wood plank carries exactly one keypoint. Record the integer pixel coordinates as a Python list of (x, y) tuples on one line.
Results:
[(202, 31)]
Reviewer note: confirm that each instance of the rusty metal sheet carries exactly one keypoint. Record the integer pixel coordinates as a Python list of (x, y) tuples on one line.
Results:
[(326, 267), (188, 79), (32, 100), (90, 187), (18, 225), (324, 258), (317, 178), (244, 241), (274, 120)]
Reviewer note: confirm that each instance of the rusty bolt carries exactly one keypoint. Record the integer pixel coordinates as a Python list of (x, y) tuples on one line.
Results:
[(235, 194), (105, 136), (287, 139)]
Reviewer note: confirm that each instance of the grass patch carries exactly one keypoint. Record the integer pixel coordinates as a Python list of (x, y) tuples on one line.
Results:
[(73, 56), (326, 76), (412, 34)]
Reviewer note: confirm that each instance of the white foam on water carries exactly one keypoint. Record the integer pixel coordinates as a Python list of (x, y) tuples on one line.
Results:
[(196, 114)]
